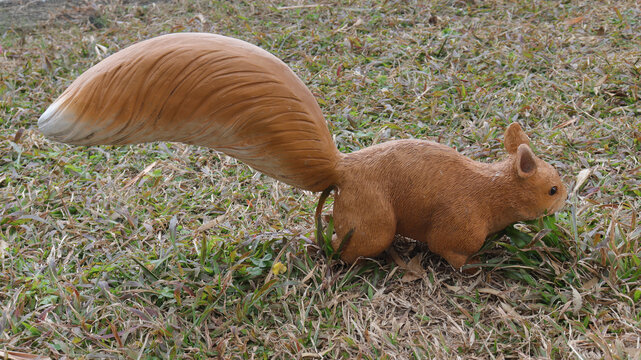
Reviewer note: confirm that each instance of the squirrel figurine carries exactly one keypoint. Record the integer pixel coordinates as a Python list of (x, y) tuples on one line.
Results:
[(229, 95)]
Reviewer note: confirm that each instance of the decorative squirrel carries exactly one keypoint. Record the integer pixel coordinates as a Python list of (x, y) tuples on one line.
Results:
[(226, 94)]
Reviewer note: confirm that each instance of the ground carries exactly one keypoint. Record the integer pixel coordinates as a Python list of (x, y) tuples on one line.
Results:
[(167, 250), (26, 14)]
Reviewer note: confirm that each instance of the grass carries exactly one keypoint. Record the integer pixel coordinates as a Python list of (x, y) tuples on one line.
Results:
[(167, 250)]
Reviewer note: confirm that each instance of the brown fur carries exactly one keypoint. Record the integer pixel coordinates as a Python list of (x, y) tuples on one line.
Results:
[(429, 192), (226, 94), (201, 89)]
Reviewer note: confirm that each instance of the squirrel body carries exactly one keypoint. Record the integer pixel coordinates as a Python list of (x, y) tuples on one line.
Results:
[(226, 94), (431, 193)]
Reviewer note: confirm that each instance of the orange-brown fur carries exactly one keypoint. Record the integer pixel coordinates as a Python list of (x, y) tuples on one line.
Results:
[(429, 192), (201, 89), (226, 94)]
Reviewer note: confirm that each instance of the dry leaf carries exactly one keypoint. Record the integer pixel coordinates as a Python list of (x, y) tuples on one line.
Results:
[(3, 248), (101, 50), (310, 274), (18, 135), (581, 179), (397, 259), (141, 174), (15, 355), (590, 283), (567, 123), (201, 18), (577, 301), (601, 81), (410, 276), (510, 311), (565, 307), (490, 291), (415, 265), (414, 269), (210, 224), (575, 20), (454, 288)]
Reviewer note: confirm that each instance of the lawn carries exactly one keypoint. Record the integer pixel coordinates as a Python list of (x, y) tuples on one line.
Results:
[(172, 251)]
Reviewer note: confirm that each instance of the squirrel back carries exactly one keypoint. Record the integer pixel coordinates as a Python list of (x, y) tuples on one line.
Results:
[(201, 89)]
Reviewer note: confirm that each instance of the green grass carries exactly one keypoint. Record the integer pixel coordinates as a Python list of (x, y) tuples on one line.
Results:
[(201, 257)]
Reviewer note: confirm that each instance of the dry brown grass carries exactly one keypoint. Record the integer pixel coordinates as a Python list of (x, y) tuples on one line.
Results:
[(94, 264)]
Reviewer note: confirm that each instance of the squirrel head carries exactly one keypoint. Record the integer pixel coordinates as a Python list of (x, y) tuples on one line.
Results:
[(540, 190)]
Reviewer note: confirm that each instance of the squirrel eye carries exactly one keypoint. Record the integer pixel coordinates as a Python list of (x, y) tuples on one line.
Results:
[(553, 190)]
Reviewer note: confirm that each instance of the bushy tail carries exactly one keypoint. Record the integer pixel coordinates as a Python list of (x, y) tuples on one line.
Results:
[(201, 89)]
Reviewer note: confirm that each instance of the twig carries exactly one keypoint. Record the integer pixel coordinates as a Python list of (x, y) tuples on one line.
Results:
[(300, 6)]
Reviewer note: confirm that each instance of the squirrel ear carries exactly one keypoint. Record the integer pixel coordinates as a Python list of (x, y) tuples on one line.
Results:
[(525, 161), (514, 136)]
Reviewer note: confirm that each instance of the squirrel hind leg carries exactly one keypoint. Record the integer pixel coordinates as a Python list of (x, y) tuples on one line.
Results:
[(371, 222), (363, 244), (458, 260), (463, 254)]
